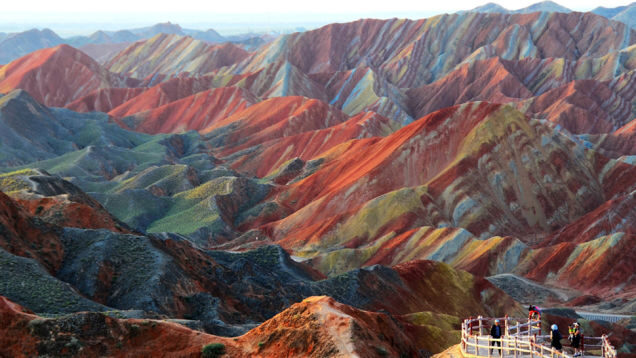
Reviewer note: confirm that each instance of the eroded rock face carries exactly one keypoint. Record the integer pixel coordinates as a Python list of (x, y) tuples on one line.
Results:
[(104, 100), (25, 281), (518, 164), (315, 327), (176, 54), (462, 162), (481, 35), (321, 327), (28, 237), (440, 193), (195, 112), (160, 94), (227, 292), (59, 202), (90, 334)]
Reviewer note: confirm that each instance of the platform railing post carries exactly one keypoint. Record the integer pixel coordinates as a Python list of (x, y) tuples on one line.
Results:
[(603, 346), (531, 347), (531, 350), (463, 336), (582, 345), (506, 324), (529, 327), (464, 324)]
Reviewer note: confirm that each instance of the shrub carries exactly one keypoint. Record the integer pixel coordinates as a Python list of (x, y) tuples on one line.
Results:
[(381, 351), (134, 330), (213, 350)]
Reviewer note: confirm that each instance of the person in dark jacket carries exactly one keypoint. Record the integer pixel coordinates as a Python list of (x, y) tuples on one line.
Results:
[(576, 340), (496, 332), (555, 337)]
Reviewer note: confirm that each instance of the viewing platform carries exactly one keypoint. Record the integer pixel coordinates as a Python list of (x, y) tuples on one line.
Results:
[(522, 340)]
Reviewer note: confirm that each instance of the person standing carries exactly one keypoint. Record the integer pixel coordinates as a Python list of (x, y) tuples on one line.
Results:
[(576, 339), (496, 332), (555, 338)]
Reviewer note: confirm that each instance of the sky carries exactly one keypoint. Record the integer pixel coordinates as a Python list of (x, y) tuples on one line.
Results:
[(74, 17)]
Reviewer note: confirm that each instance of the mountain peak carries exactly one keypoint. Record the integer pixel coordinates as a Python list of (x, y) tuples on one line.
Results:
[(543, 6), (547, 6), (69, 53), (490, 7), (167, 26), (53, 75)]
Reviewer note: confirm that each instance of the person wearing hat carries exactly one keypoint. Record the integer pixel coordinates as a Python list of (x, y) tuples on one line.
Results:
[(576, 339), (496, 332), (555, 337)]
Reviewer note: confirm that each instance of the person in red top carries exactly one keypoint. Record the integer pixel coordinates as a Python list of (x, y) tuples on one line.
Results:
[(534, 313)]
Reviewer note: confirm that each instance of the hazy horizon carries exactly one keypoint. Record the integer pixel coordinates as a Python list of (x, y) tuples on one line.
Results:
[(225, 24), (262, 17)]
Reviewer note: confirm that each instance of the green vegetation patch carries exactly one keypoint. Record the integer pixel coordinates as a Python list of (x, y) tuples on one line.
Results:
[(195, 208), (213, 350), (25, 282), (15, 181)]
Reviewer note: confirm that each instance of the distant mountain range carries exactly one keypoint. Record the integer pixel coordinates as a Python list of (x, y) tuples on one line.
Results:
[(102, 45), (101, 37), (15, 45), (625, 14), (544, 6), (19, 44)]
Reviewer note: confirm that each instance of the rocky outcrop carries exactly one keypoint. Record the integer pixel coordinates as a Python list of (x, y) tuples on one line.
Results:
[(104, 100), (170, 54), (195, 112), (316, 327), (26, 236)]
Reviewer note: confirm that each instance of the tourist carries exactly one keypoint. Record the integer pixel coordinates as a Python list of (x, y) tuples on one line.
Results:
[(555, 338), (496, 332)]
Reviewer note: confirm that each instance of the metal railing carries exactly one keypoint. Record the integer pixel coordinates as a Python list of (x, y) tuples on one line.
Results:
[(519, 339)]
